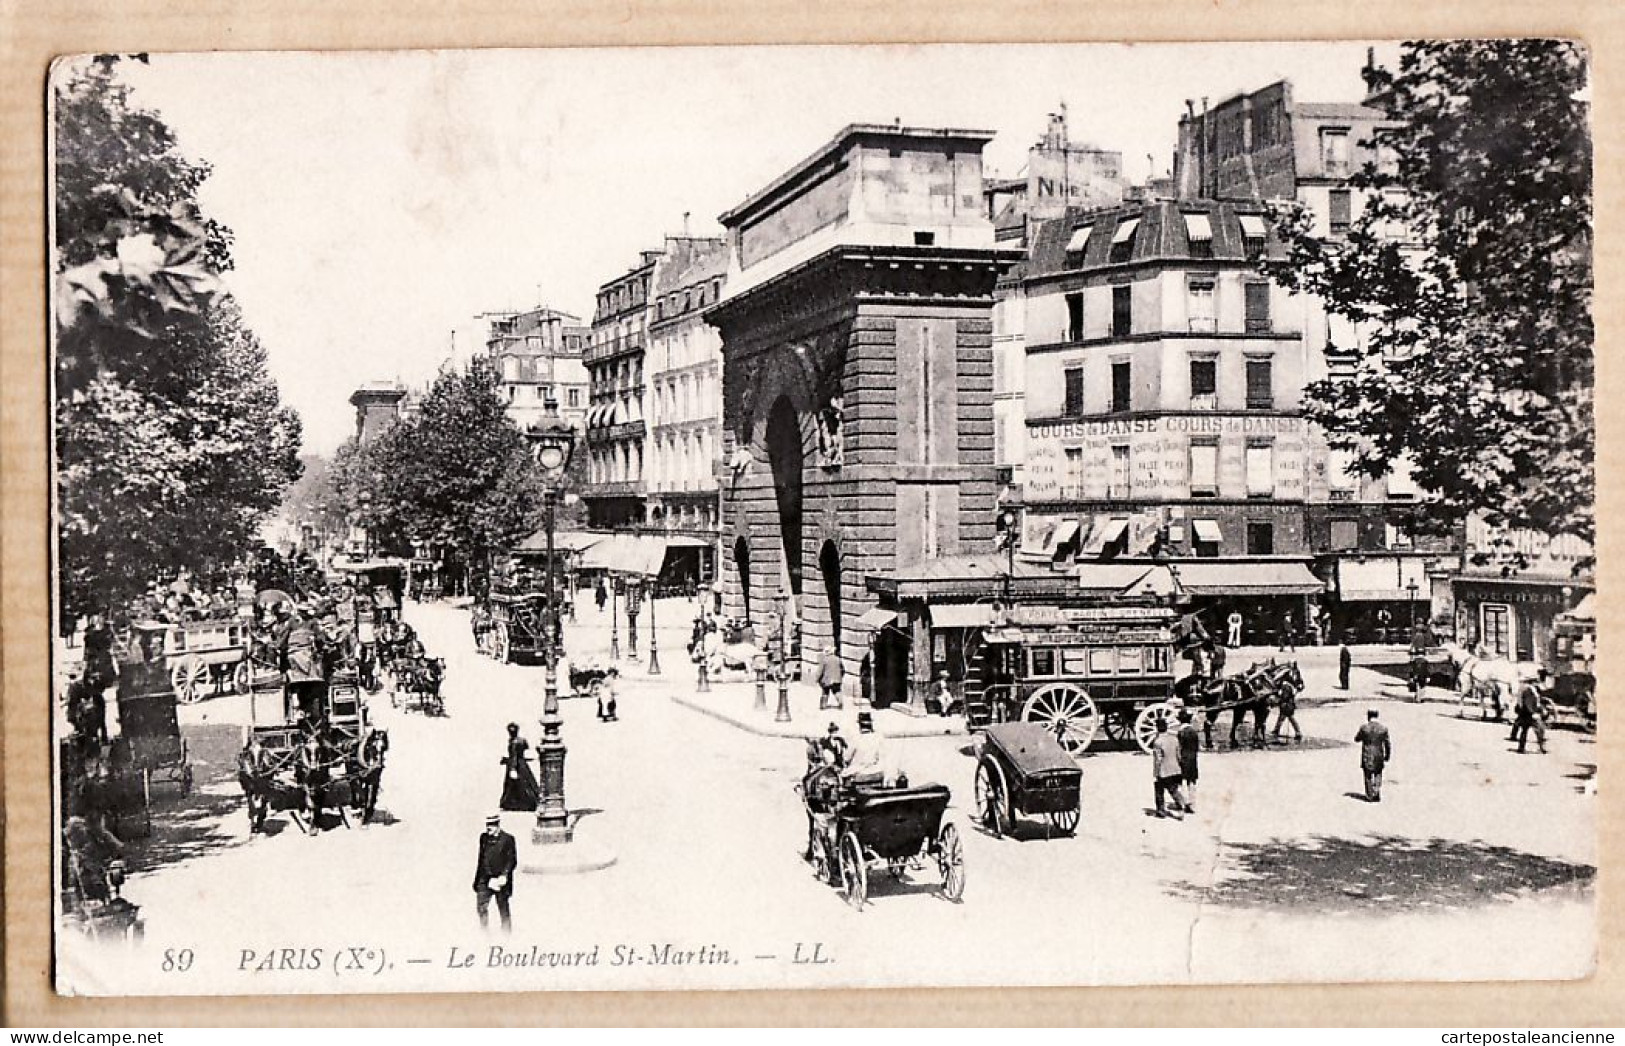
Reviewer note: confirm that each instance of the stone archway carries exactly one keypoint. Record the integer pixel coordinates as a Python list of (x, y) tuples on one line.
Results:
[(829, 565), (785, 455)]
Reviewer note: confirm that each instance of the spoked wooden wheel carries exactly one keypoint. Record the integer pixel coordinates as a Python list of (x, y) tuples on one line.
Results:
[(1065, 821), (241, 678), (992, 798), (854, 876), (1117, 726), (189, 676), (951, 862), (499, 644), (1145, 724), (1067, 711)]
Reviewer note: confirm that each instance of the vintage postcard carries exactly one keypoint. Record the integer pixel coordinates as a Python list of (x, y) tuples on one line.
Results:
[(840, 517)]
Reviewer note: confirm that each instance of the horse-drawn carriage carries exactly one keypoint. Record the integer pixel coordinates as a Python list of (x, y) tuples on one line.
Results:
[(1023, 769), (207, 657), (417, 685), (1249, 694), (1076, 671), (851, 827), (92, 876), (333, 760), (518, 626)]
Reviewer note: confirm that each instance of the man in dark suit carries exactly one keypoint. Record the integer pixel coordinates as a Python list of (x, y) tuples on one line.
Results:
[(1375, 751), (493, 871)]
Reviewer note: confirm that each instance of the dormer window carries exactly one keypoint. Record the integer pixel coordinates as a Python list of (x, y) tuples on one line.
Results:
[(1199, 233), (1079, 240), (1123, 240)]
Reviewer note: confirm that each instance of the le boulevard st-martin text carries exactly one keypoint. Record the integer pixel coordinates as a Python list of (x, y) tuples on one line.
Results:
[(376, 962)]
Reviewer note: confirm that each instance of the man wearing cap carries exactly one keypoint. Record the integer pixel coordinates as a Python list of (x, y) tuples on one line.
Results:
[(834, 746), (1375, 751), (493, 872), (1529, 713), (1165, 772)]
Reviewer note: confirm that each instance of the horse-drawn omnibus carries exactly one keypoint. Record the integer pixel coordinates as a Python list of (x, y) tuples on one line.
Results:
[(1078, 671)]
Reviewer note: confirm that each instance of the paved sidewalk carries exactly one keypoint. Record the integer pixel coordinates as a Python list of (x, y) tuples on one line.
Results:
[(735, 703)]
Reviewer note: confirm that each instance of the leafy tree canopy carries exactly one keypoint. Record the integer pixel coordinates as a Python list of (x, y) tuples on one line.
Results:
[(1470, 271)]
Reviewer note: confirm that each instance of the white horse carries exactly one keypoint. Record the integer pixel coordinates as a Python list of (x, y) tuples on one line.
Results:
[(1492, 684)]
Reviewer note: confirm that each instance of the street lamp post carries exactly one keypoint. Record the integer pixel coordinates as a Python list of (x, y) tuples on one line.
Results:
[(550, 447), (782, 715), (614, 623), (1410, 588), (654, 643)]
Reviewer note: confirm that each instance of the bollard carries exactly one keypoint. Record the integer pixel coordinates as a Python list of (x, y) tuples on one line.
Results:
[(783, 714), (704, 684), (761, 688)]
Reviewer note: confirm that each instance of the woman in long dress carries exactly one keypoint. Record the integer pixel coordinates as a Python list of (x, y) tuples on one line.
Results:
[(519, 789)]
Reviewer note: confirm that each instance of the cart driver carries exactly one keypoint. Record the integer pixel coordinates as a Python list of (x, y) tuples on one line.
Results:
[(871, 761)]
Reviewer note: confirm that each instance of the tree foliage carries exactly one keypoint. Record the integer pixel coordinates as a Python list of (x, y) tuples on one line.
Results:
[(1470, 269), (456, 475), (172, 443)]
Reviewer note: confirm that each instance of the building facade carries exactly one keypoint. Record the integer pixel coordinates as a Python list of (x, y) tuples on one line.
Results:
[(684, 377), (538, 357), (858, 377), (616, 427), (1510, 586), (377, 406)]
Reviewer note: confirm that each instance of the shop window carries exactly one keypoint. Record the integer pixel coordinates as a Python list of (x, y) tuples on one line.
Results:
[(1260, 538), (1496, 635)]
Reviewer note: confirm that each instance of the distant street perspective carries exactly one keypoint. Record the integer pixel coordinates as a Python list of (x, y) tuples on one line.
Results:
[(964, 564)]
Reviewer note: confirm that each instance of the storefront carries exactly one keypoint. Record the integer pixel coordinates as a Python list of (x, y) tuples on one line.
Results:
[(1264, 592), (1378, 598), (1513, 618)]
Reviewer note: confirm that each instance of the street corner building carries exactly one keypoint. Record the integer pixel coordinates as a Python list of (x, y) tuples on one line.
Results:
[(858, 374)]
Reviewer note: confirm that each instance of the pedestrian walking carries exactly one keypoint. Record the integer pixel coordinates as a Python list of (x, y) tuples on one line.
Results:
[(831, 673), (1345, 661), (1165, 771), (600, 594), (1233, 624), (1375, 751), (1216, 656), (607, 691), (519, 788), (493, 872), (1289, 632), (1287, 712), (1190, 746), (1530, 714)]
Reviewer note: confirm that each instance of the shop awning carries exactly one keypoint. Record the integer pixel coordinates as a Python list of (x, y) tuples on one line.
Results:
[(876, 617), (1080, 238), (1109, 577), (1585, 610), (1040, 534), (1198, 228), (563, 541), (1382, 578), (961, 615), (1252, 226), (1064, 533), (640, 554), (1104, 533), (1125, 231), (1207, 530), (1263, 578)]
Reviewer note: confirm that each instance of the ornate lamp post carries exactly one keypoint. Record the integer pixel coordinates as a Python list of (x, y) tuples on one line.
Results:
[(614, 623), (654, 642), (550, 447), (782, 715)]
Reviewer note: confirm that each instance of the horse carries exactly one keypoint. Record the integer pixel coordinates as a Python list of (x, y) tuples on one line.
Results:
[(366, 771), (422, 677), (1491, 683), (1251, 693)]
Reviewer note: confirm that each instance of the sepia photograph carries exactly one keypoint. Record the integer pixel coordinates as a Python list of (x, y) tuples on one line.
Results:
[(815, 517)]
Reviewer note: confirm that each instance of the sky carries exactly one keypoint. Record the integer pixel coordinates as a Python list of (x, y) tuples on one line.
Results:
[(381, 201)]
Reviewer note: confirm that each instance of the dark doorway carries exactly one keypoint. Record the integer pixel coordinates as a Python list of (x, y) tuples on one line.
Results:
[(784, 451), (829, 564), (891, 658), (742, 566)]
